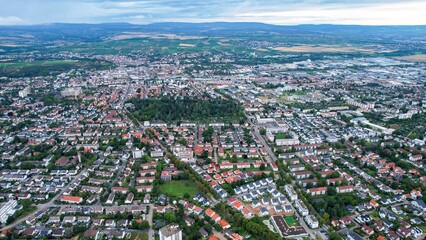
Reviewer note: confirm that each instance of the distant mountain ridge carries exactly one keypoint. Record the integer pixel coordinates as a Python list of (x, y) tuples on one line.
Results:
[(224, 29)]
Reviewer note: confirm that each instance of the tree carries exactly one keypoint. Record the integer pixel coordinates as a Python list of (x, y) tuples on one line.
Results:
[(334, 236), (326, 217), (208, 228), (331, 191), (170, 217)]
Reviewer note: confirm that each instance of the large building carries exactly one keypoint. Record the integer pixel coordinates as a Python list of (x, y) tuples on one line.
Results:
[(71, 92), (290, 192), (24, 93), (7, 210), (137, 153), (171, 232)]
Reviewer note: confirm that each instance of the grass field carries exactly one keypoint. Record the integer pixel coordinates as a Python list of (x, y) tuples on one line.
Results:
[(138, 236), (179, 188), (291, 221)]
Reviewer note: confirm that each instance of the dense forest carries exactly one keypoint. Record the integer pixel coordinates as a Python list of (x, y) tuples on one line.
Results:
[(186, 109)]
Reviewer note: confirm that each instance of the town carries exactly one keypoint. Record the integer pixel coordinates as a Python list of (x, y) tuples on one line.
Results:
[(200, 146)]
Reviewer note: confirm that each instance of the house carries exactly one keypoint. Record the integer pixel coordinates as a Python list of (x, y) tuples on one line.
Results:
[(91, 234), (209, 212), (203, 233), (224, 224), (296, 168), (123, 223), (393, 236), (301, 207), (403, 232), (247, 213), (129, 198), (58, 232), (121, 190), (189, 221), (147, 199), (388, 224), (420, 204), (302, 175), (54, 219), (415, 194), (255, 204), (291, 193), (71, 199), (62, 161), (345, 189), (416, 232), (317, 191), (83, 219), (312, 221), (238, 205), (334, 181), (368, 230), (379, 226), (374, 203), (264, 211), (110, 198), (98, 222), (216, 217), (69, 219), (110, 223), (346, 220), (147, 188), (142, 180), (417, 157)]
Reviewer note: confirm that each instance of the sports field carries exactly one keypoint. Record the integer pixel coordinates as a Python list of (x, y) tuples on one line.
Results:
[(179, 188)]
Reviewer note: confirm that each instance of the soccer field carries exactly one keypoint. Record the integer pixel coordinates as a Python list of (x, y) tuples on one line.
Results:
[(179, 188)]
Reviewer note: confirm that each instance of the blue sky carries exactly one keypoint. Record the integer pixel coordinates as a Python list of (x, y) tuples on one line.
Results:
[(285, 12)]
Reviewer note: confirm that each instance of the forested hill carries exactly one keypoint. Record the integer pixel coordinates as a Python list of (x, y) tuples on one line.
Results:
[(349, 33)]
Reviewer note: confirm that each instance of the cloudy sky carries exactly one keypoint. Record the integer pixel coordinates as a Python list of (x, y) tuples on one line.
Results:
[(285, 12)]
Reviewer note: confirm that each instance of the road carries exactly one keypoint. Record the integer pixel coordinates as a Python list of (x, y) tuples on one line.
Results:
[(45, 206), (149, 218), (272, 158)]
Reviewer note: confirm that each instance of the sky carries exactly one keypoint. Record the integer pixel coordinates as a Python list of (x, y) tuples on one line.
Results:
[(281, 12)]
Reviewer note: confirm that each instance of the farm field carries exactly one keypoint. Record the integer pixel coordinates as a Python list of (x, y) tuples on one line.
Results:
[(322, 49), (413, 58)]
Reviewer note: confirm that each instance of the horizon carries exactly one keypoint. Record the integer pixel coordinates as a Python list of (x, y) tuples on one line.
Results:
[(284, 12), (212, 22)]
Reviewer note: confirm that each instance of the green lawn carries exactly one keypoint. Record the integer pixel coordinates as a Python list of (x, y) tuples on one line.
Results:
[(138, 236), (179, 188), (291, 221)]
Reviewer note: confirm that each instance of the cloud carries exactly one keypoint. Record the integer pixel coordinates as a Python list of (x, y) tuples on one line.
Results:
[(368, 12), (401, 13), (11, 20)]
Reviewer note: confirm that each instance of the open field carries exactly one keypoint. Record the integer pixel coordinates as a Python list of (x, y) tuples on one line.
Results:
[(132, 35), (413, 58), (179, 188), (322, 49), (138, 236), (41, 68), (186, 45)]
